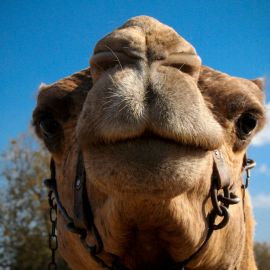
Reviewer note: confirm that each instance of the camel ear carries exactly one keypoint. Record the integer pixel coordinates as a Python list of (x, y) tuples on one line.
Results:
[(42, 86), (260, 82)]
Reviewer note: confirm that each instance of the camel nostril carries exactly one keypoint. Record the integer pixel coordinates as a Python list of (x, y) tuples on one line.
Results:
[(185, 62), (105, 60), (185, 68)]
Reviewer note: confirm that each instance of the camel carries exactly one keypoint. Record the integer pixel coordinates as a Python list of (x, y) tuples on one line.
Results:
[(147, 119)]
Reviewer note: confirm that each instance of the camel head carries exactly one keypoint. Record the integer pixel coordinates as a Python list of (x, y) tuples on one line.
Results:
[(146, 117)]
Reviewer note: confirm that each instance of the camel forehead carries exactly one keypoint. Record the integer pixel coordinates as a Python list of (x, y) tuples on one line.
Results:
[(219, 81), (147, 36), (240, 91)]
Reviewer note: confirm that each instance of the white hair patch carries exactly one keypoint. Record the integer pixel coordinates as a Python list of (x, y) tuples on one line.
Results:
[(42, 85)]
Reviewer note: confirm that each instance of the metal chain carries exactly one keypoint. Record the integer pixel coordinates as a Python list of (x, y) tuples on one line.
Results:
[(53, 243), (221, 203)]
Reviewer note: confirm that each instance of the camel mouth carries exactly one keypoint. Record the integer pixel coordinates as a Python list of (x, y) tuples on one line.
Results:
[(146, 165), (148, 136)]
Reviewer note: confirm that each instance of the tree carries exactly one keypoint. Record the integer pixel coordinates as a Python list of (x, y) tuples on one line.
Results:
[(24, 212), (262, 255)]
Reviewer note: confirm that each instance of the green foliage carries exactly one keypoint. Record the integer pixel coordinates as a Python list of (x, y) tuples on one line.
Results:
[(262, 255), (24, 225)]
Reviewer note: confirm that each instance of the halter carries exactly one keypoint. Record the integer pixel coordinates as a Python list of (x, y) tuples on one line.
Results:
[(83, 223)]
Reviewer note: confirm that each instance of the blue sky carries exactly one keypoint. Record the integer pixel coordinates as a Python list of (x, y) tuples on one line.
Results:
[(43, 41)]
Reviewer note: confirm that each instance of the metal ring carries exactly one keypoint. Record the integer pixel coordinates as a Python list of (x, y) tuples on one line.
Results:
[(233, 199), (53, 243), (250, 164), (224, 221), (214, 198), (53, 214)]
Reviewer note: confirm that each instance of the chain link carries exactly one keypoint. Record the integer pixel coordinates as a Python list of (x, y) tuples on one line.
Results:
[(53, 243)]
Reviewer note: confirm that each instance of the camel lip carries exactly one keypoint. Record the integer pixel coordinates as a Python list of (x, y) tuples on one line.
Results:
[(149, 136)]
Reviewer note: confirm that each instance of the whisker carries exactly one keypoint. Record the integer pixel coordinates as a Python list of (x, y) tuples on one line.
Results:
[(181, 66), (114, 54)]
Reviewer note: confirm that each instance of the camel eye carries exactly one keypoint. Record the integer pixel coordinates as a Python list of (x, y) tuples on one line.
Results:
[(49, 127), (245, 125)]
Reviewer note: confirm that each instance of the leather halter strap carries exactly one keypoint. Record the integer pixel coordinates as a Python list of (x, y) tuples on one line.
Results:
[(223, 176), (83, 222), (82, 212)]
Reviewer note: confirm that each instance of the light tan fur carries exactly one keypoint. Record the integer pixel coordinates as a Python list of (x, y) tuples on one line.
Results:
[(147, 125)]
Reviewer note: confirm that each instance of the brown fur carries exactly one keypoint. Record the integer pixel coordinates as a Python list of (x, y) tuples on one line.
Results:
[(147, 126)]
